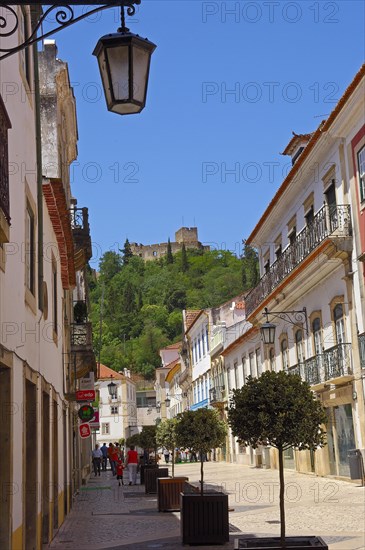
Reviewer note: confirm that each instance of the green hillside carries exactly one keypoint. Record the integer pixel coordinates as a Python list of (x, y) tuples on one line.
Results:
[(142, 302)]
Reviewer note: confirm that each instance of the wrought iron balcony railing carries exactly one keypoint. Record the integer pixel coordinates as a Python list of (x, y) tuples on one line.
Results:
[(337, 361), (332, 221), (217, 395), (81, 336), (79, 218), (362, 350), (332, 363)]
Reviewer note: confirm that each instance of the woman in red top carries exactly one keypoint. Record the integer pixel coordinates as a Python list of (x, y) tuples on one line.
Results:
[(132, 464)]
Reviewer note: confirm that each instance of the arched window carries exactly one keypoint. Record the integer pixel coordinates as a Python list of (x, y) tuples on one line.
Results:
[(317, 336), (339, 323), (299, 346), (285, 353)]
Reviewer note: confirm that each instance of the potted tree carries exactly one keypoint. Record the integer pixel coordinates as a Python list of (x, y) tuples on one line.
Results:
[(280, 410), (169, 488), (150, 472), (200, 431)]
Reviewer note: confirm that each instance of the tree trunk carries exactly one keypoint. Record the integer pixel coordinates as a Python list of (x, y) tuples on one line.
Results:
[(281, 498), (173, 463), (201, 474)]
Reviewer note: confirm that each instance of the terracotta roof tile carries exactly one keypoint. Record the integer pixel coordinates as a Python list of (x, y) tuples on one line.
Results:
[(106, 372), (190, 317)]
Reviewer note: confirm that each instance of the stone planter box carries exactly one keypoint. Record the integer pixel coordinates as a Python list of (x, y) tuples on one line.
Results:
[(168, 493), (272, 543), (204, 519), (151, 475)]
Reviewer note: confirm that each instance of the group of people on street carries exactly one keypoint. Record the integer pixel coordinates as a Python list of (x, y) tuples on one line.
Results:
[(117, 461)]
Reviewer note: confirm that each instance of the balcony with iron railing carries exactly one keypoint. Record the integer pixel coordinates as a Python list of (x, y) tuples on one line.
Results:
[(330, 221), (82, 348), (333, 366), (79, 218), (361, 341), (217, 396)]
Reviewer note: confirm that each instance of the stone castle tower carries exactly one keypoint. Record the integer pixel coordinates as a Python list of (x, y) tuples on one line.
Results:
[(186, 235)]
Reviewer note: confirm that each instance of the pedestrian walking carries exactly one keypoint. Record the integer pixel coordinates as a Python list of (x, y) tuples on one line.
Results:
[(166, 454), (111, 453), (97, 455), (132, 464), (120, 470), (104, 450)]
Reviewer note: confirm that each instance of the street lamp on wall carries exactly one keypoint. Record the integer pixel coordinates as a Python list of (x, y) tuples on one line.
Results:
[(178, 397), (123, 57), (296, 318), (112, 388)]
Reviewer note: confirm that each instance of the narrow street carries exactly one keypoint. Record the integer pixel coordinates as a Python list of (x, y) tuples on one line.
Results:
[(106, 516)]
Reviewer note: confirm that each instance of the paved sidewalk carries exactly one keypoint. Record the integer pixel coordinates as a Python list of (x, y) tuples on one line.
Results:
[(106, 516)]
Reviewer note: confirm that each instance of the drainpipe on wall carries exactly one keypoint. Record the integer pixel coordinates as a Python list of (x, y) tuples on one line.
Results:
[(37, 113)]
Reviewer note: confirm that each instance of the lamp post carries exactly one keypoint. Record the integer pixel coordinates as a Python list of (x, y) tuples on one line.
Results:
[(123, 57)]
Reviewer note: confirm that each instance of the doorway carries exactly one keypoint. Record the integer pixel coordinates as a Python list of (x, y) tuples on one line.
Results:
[(6, 457), (45, 468), (30, 468), (341, 438)]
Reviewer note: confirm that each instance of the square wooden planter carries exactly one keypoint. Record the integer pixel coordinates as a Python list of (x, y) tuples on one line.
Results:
[(168, 493), (204, 519), (143, 469), (150, 478), (272, 543)]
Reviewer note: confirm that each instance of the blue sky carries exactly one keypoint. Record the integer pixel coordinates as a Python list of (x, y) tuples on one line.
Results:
[(229, 82)]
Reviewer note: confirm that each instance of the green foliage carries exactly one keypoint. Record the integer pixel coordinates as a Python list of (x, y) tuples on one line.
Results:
[(127, 252), (148, 437), (250, 267), (200, 431), (134, 440), (280, 410), (184, 259), (142, 302), (166, 437), (169, 256), (277, 409)]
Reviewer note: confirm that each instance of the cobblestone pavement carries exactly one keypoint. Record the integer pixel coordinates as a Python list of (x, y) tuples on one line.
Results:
[(106, 516)]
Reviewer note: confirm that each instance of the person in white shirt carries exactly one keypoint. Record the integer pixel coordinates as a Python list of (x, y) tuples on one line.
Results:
[(97, 456)]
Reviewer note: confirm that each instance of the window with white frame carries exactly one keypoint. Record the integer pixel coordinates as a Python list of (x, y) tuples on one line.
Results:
[(114, 409), (361, 168), (105, 428), (258, 362), (207, 338), (285, 353), (30, 249), (203, 343), (299, 346), (317, 336), (251, 360), (339, 324)]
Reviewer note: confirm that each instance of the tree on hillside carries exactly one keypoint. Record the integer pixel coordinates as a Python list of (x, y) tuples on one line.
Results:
[(127, 252), (110, 265), (169, 256), (250, 267), (184, 259), (280, 410), (129, 301)]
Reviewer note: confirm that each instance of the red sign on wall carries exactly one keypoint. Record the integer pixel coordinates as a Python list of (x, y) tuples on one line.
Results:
[(85, 395), (84, 430)]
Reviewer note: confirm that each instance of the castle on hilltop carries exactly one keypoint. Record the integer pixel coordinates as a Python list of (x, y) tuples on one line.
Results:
[(184, 235)]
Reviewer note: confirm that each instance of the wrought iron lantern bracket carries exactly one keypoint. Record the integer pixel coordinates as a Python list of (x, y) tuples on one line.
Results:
[(64, 17), (297, 318)]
